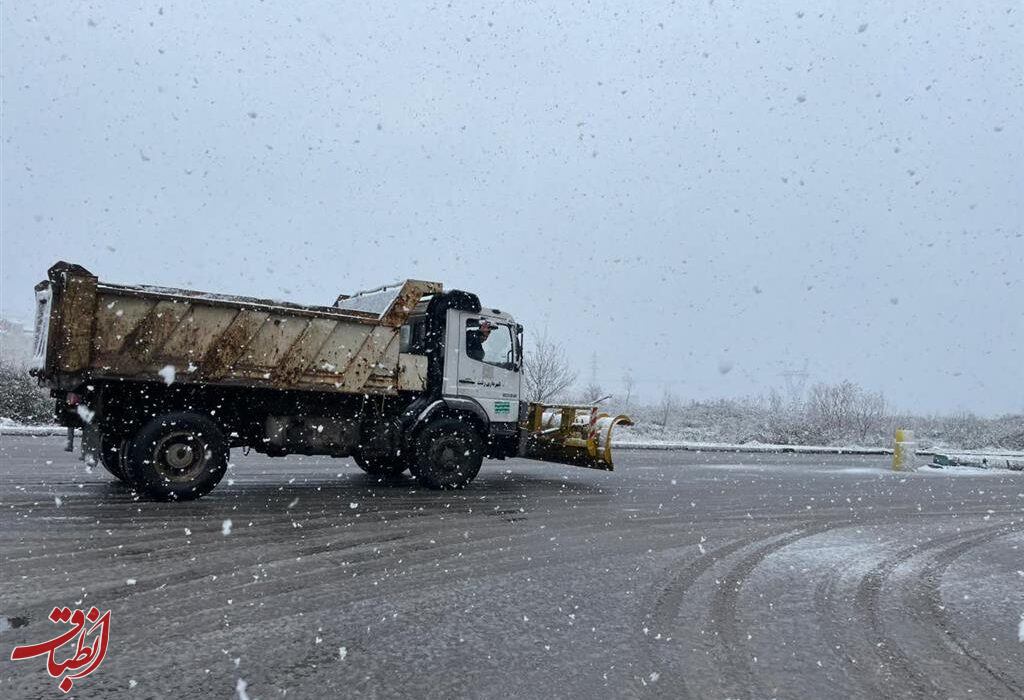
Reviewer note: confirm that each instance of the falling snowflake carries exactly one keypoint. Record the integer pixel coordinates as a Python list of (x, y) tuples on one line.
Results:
[(85, 413), (225, 527), (168, 373)]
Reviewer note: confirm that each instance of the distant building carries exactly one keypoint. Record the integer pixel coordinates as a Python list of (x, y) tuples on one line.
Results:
[(15, 343)]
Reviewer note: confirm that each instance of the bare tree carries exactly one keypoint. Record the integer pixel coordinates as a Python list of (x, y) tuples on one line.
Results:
[(844, 410), (868, 413), (546, 370), (593, 392), (830, 409), (629, 384), (667, 407)]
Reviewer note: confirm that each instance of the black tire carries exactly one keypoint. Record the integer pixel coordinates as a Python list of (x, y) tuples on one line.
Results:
[(111, 453), (448, 454), (177, 457), (388, 466)]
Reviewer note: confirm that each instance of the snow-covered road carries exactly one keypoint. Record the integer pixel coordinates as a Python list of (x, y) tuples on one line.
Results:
[(681, 574)]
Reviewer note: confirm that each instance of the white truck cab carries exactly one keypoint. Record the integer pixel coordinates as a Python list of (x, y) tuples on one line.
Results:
[(483, 359)]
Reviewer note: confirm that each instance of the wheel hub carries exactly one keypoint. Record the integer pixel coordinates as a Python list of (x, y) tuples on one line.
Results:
[(179, 456), (451, 454)]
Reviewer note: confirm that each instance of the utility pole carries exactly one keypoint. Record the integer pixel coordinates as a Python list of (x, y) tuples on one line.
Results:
[(795, 381)]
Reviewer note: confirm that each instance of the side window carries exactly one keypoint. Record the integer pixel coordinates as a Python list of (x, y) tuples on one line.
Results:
[(490, 342)]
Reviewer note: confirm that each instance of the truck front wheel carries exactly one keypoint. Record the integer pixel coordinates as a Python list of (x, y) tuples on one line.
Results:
[(177, 457), (449, 453)]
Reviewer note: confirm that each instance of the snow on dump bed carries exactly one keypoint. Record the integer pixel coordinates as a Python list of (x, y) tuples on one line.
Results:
[(176, 293), (195, 294), (375, 301)]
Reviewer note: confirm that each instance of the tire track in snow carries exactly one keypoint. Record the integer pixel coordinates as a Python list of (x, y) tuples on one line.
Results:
[(723, 610), (861, 626), (926, 595)]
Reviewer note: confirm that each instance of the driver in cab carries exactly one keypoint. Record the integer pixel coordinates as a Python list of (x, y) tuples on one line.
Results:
[(475, 339)]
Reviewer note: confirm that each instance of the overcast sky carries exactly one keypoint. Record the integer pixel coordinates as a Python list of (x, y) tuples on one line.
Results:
[(708, 193)]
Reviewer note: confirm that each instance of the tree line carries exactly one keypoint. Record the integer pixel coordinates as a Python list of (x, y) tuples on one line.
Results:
[(842, 413)]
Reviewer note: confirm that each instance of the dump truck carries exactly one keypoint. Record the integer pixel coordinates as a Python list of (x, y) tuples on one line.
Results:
[(408, 376)]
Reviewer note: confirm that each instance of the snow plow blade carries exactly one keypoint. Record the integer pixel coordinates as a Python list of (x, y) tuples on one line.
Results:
[(580, 436)]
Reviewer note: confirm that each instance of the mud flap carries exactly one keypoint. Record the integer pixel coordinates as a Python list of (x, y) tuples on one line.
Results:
[(579, 436)]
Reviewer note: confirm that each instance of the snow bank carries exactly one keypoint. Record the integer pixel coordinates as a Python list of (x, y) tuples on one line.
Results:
[(996, 459), (749, 447), (8, 427)]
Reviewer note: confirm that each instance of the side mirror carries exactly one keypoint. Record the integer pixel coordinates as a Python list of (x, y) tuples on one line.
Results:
[(519, 347)]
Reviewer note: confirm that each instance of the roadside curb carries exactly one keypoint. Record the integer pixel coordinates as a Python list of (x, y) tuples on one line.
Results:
[(761, 449)]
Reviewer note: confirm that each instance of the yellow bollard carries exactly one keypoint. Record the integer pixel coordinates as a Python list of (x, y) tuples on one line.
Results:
[(904, 451)]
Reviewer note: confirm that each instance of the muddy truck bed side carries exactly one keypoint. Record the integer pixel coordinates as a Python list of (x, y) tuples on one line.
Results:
[(106, 331)]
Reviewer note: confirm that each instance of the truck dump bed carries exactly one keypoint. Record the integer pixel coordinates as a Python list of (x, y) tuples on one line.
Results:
[(87, 328)]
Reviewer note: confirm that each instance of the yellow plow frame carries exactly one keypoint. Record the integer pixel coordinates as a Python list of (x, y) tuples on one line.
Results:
[(576, 434)]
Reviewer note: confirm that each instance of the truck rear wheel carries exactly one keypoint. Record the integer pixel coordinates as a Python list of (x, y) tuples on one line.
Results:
[(177, 457), (111, 456), (383, 466), (449, 453)]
